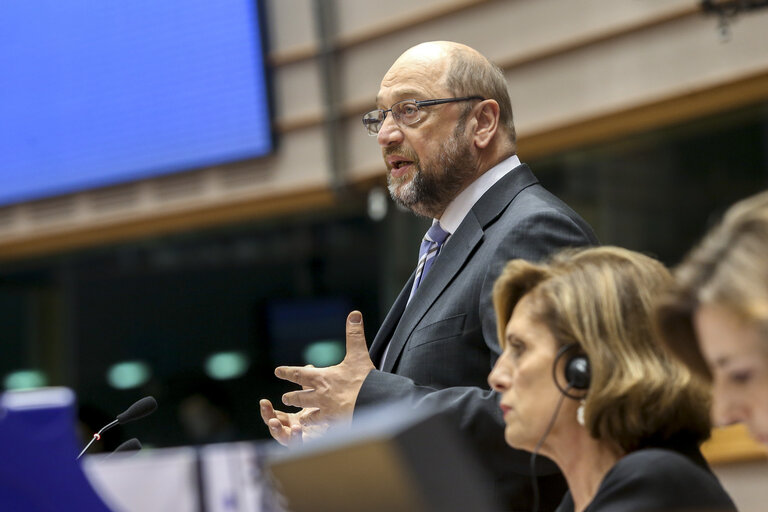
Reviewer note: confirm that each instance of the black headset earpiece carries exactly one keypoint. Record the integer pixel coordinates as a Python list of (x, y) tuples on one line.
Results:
[(577, 372)]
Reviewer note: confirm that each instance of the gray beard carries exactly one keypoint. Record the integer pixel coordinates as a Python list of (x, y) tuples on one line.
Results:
[(436, 183)]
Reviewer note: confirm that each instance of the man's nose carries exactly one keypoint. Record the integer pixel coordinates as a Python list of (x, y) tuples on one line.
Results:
[(390, 132)]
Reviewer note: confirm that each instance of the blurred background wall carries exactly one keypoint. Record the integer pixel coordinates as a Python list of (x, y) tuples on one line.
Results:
[(649, 117)]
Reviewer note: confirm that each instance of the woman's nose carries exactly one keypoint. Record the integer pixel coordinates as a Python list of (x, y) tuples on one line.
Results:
[(727, 409), (497, 379)]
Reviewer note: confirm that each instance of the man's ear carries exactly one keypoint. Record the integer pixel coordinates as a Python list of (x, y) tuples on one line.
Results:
[(486, 122)]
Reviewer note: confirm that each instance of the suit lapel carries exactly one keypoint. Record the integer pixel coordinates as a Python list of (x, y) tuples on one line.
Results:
[(390, 322), (495, 201), (448, 263), (401, 320)]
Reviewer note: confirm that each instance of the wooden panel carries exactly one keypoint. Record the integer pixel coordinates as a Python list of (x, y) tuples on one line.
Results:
[(666, 111), (731, 444), (167, 221)]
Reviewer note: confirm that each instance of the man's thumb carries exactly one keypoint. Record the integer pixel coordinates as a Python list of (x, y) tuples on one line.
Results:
[(355, 332)]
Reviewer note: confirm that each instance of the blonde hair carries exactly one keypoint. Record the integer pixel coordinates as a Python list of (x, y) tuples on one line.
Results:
[(728, 268), (602, 300)]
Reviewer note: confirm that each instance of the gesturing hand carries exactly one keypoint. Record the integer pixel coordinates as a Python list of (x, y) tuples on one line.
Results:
[(291, 428), (330, 393)]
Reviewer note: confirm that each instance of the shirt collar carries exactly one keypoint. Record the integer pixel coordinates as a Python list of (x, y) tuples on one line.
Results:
[(461, 204)]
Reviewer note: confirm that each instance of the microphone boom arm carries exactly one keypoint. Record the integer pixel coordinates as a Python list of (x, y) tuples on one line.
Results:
[(97, 436)]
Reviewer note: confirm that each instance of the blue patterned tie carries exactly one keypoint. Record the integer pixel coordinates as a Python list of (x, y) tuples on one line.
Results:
[(430, 248)]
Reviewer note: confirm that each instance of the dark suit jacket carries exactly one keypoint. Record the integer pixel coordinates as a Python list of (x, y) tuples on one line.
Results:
[(443, 345), (657, 480)]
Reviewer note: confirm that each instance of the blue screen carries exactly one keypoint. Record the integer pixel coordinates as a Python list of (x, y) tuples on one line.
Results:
[(99, 92)]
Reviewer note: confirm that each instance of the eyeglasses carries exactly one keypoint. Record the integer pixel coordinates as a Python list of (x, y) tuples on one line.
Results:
[(405, 112)]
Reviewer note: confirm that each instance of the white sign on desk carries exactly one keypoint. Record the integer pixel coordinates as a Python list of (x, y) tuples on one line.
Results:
[(150, 480), (225, 477)]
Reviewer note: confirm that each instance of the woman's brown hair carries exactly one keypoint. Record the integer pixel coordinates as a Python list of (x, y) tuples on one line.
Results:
[(602, 299)]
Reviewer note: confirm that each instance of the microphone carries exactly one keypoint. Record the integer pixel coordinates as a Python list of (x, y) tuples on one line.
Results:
[(138, 410), (132, 444)]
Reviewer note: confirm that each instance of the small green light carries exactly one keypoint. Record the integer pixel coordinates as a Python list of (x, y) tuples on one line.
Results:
[(128, 374), (25, 379), (226, 365), (324, 353)]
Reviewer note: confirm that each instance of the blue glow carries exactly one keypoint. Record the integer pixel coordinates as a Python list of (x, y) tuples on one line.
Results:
[(324, 353), (128, 374), (25, 379), (226, 365), (99, 93)]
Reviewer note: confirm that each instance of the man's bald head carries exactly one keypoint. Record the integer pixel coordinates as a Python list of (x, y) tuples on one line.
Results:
[(461, 70)]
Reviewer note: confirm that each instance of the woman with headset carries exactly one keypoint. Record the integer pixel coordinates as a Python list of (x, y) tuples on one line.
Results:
[(715, 318), (583, 381)]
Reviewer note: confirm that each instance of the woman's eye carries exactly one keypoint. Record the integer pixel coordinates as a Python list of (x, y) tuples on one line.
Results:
[(741, 377)]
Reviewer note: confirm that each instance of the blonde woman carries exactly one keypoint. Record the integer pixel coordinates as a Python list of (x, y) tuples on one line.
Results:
[(715, 317), (583, 381)]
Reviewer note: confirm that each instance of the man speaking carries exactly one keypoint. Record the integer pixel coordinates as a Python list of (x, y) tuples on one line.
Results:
[(444, 125)]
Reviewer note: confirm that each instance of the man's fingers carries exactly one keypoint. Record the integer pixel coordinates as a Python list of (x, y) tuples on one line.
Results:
[(310, 417), (304, 386), (355, 333), (267, 411), (275, 427), (302, 398), (280, 433), (295, 436), (296, 374)]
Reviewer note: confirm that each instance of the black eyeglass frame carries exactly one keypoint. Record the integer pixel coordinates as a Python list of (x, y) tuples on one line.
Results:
[(368, 121)]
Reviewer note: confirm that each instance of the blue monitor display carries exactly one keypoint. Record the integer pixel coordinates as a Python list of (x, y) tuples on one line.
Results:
[(95, 93)]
